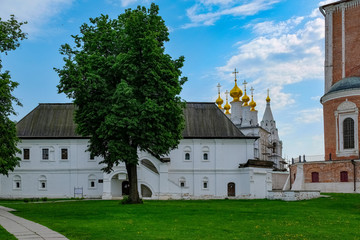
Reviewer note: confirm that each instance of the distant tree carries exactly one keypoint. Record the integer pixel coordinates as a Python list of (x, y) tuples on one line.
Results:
[(125, 87), (10, 36)]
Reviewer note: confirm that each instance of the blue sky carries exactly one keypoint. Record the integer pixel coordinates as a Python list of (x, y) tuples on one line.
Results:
[(275, 44)]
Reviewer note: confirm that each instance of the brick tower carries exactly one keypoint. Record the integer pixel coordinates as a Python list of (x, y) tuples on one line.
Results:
[(341, 100)]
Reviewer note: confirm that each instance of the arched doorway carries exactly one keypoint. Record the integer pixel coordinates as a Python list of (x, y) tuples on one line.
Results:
[(231, 189), (125, 188), (145, 191)]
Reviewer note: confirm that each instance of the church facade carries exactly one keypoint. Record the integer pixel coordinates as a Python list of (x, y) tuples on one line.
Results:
[(340, 172), (213, 160)]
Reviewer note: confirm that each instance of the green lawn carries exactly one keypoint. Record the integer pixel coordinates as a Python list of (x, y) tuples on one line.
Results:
[(336, 217), (4, 235)]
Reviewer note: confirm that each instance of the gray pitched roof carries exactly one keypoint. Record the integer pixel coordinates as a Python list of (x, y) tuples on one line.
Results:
[(206, 120), (203, 120), (55, 120)]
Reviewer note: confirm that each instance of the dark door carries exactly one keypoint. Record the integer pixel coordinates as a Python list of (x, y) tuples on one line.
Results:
[(231, 189), (125, 187)]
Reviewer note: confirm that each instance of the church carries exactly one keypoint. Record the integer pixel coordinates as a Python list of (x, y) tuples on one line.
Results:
[(340, 172), (222, 154)]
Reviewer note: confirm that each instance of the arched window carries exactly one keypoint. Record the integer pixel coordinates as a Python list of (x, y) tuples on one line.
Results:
[(314, 177), (147, 163), (17, 182), (182, 182), (42, 183), (205, 156), (92, 181), (205, 184), (145, 191), (187, 151), (348, 130), (344, 176)]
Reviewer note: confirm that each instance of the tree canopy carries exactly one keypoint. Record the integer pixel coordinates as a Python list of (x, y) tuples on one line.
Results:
[(126, 88), (10, 36)]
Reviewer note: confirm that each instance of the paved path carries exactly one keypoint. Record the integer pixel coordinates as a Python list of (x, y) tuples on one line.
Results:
[(25, 229)]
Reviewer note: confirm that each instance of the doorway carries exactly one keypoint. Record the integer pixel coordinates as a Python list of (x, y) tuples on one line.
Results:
[(125, 188), (231, 189)]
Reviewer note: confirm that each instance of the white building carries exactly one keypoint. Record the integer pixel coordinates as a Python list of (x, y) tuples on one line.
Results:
[(268, 146), (213, 160)]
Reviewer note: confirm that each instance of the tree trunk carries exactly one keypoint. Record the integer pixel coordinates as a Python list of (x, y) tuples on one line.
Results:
[(132, 174)]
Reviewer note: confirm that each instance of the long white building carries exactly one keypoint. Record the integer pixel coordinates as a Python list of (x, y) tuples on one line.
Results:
[(213, 160)]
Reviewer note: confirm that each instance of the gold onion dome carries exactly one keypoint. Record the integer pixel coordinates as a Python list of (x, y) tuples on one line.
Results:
[(252, 104), (219, 100), (227, 105), (236, 92), (268, 98), (245, 98)]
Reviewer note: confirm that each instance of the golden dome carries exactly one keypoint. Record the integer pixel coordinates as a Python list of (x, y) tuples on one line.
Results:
[(236, 92), (245, 98), (219, 100), (252, 104), (227, 105), (268, 98)]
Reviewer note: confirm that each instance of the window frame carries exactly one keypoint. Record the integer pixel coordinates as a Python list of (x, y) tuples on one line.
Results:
[(27, 155), (346, 109), (16, 181), (43, 154), (344, 176), (42, 180), (61, 154), (348, 125), (315, 177)]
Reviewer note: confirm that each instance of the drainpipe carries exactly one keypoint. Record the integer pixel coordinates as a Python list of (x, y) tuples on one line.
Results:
[(290, 176), (353, 162)]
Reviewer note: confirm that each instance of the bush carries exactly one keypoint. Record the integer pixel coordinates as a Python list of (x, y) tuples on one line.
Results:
[(26, 200)]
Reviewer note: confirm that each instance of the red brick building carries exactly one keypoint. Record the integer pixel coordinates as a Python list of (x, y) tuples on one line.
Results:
[(341, 102)]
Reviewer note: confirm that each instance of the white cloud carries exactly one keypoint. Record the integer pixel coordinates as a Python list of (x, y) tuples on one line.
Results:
[(322, 3), (275, 29), (286, 53), (310, 115), (207, 12), (35, 12), (124, 3)]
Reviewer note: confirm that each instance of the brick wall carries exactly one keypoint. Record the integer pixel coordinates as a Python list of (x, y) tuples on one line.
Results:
[(337, 47), (329, 171), (352, 37), (329, 109)]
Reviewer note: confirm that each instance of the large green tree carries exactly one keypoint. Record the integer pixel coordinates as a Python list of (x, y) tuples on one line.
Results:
[(10, 36), (125, 87)]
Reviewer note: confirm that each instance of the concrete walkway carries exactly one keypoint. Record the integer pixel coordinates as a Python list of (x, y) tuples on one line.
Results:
[(25, 229)]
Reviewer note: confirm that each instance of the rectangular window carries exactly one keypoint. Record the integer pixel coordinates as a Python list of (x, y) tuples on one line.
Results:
[(92, 184), (64, 154), (314, 177), (205, 185), (26, 153), (45, 154), (92, 157), (344, 176), (17, 185), (43, 185)]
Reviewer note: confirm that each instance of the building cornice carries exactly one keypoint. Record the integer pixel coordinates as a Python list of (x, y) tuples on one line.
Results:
[(339, 94)]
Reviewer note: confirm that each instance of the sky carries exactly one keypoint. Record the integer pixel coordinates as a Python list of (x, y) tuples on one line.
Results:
[(273, 44)]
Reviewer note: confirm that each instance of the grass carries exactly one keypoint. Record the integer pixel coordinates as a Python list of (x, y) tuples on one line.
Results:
[(4, 235), (336, 217)]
